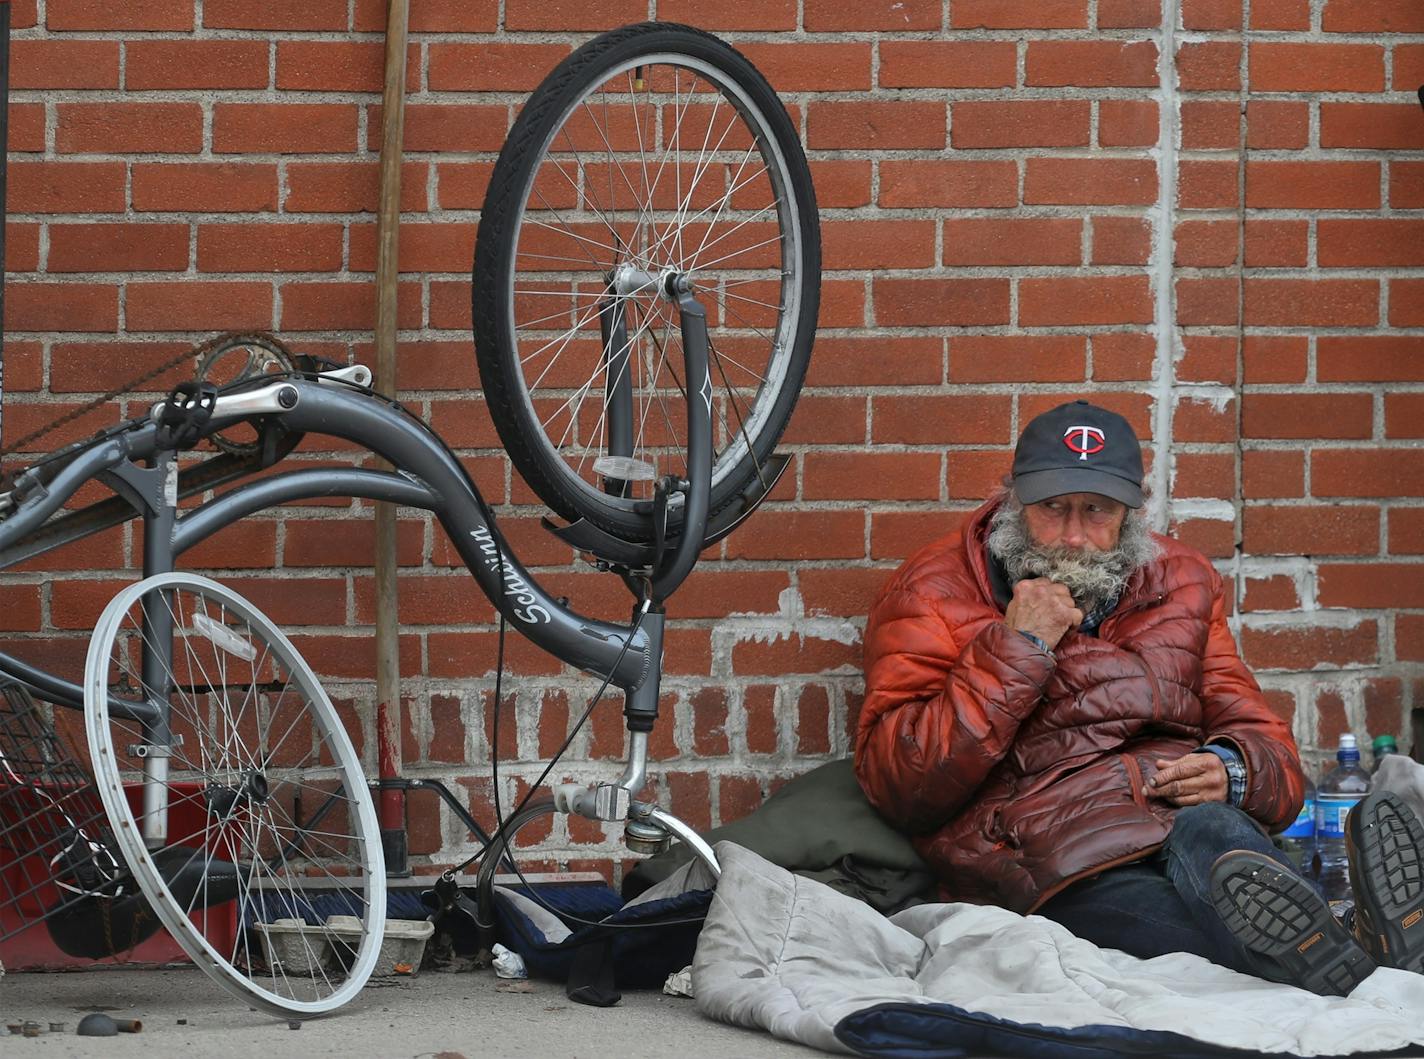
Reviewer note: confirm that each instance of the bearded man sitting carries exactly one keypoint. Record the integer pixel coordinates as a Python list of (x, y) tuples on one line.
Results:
[(1057, 713)]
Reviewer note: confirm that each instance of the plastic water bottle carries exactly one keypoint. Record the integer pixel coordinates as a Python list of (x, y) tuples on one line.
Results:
[(1382, 746), (1343, 786), (1298, 840)]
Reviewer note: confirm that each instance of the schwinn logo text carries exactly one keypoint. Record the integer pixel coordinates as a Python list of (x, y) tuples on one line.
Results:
[(526, 604)]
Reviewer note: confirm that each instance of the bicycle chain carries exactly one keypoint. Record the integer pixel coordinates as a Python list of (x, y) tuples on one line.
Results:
[(196, 352)]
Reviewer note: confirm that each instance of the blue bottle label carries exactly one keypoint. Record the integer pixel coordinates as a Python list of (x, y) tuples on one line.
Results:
[(1331, 811), (1304, 826)]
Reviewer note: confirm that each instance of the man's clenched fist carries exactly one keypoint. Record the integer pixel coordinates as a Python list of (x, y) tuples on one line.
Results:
[(1044, 608)]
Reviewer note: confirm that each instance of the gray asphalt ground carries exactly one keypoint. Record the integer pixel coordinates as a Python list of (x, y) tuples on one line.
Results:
[(433, 1016)]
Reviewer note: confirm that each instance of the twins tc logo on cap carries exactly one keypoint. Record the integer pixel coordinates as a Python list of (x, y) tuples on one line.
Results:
[(1084, 440)]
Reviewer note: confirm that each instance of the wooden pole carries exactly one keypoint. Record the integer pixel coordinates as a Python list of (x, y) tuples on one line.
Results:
[(388, 685)]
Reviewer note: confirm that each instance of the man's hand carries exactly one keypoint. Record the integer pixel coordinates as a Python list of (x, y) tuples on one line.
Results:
[(1190, 780), (1044, 608)]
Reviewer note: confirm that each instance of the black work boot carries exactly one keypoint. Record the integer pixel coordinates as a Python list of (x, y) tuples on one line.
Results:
[(1385, 844), (1277, 914)]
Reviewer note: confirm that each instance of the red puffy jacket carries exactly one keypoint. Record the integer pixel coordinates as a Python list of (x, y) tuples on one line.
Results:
[(1017, 773)]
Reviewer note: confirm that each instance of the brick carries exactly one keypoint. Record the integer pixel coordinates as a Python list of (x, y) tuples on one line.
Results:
[(91, 367), (423, 248), (898, 361), (1212, 537), (877, 244), (842, 593), (565, 15), (1123, 357), (944, 302), (1406, 302), (204, 187), (110, 128), (1404, 415), (343, 306), (190, 306), (248, 544), (61, 307), (1207, 185), (1104, 181), (64, 64), (1269, 474), (1365, 472), (1012, 14), (940, 419), (1012, 241), (875, 125), (1209, 66), (827, 420), (445, 127), (1311, 530), (1280, 14), (1409, 637), (730, 14), (118, 247), (1211, 14), (1313, 185), (250, 247), (284, 128), (1206, 244), (1127, 123), (1369, 242), (1370, 358), (1207, 301), (1277, 592), (898, 534), (27, 127), (1279, 243), (796, 67), (1300, 415), (1129, 14), (491, 66), (943, 183), (1277, 124), (353, 187), (1203, 420), (1210, 125), (1075, 300), (1372, 585), (1016, 358), (338, 66), (948, 64), (24, 14), (1388, 126), (870, 475), (759, 706), (780, 534), (176, 64), (432, 16), (813, 715), (1274, 358), (1091, 63), (1408, 67), (22, 247), (828, 15), (1292, 67), (1208, 358), (1372, 16), (1020, 123), (132, 15), (1406, 531), (1306, 646), (1121, 241), (1203, 474), (276, 15), (1311, 303)]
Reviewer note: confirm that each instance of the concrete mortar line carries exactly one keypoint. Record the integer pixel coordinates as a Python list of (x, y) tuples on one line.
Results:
[(1162, 263)]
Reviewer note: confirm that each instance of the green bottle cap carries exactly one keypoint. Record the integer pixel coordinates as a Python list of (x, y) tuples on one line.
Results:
[(1384, 742)]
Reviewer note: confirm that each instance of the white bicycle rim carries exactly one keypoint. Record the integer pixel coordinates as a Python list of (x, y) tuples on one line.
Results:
[(272, 988)]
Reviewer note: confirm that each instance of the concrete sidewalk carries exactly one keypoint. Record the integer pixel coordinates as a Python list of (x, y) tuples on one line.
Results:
[(433, 1015)]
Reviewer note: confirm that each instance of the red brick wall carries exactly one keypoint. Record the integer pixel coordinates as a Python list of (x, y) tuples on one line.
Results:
[(1017, 209)]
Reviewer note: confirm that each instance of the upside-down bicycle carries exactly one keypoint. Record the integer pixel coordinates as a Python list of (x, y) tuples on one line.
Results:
[(645, 297)]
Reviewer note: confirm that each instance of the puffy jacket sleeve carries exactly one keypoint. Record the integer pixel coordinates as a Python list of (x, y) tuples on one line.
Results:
[(1236, 714), (947, 686)]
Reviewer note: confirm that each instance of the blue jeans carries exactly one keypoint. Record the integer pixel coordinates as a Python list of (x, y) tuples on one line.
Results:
[(1163, 904)]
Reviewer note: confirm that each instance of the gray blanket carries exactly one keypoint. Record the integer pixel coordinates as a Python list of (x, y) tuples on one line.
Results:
[(789, 955)]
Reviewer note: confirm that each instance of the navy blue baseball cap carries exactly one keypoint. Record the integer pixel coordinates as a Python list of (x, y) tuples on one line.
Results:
[(1078, 448)]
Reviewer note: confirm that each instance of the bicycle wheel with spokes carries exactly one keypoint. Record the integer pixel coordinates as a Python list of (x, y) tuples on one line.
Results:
[(654, 160), (248, 822)]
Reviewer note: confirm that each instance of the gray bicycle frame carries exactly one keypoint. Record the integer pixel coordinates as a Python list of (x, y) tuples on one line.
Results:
[(425, 475)]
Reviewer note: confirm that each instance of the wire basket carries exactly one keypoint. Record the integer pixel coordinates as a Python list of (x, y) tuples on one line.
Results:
[(55, 849)]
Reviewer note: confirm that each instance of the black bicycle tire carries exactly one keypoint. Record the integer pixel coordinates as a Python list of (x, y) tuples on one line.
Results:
[(496, 355)]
